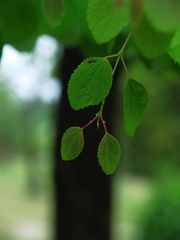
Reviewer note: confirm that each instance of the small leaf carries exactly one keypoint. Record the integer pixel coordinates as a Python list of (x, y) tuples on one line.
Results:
[(53, 11), (109, 153), (151, 43), (174, 48), (72, 143), (135, 102), (106, 18), (174, 53), (176, 39), (90, 83)]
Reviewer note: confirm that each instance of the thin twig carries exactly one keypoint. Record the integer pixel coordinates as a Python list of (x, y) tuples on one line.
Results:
[(125, 43), (104, 125), (122, 49), (115, 66), (114, 55), (124, 65), (89, 122)]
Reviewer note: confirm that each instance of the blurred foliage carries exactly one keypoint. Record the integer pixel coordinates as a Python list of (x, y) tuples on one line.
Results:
[(24, 125), (157, 139), (163, 222), (26, 19), (21, 212), (152, 156), (9, 133)]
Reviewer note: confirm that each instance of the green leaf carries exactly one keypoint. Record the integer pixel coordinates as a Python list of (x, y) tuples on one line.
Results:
[(174, 53), (106, 18), (164, 15), (136, 10), (109, 153), (135, 102), (72, 143), (150, 42), (19, 21), (90, 83), (174, 48), (176, 39), (53, 11)]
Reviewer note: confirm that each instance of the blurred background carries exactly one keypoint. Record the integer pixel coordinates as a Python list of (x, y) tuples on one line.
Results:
[(145, 201), (28, 99), (146, 192), (146, 186)]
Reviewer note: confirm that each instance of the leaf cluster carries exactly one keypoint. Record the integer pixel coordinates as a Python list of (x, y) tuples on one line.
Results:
[(153, 27), (154, 30), (109, 150), (89, 85)]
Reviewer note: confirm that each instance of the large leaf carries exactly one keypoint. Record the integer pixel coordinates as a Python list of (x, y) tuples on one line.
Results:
[(72, 143), (53, 11), (106, 18), (90, 83), (150, 42), (135, 102), (109, 153), (164, 15)]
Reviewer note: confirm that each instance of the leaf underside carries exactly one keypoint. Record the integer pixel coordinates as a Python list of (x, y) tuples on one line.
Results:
[(135, 102), (150, 42), (109, 153), (53, 11), (107, 18), (72, 143), (163, 14)]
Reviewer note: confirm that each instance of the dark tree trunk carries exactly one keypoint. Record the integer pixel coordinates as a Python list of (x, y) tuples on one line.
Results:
[(82, 190)]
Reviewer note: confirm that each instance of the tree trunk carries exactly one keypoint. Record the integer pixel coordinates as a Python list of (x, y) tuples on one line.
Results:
[(82, 190)]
